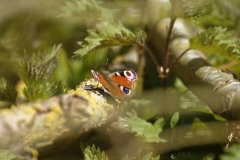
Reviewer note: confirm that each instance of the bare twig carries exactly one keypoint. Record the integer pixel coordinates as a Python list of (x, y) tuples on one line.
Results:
[(175, 61)]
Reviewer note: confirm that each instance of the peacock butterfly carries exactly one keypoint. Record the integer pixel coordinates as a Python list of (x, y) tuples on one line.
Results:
[(118, 84)]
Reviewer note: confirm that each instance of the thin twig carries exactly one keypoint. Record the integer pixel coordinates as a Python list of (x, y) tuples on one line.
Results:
[(153, 58), (175, 61)]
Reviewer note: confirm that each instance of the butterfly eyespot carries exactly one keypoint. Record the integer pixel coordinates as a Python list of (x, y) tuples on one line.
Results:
[(130, 75), (125, 90)]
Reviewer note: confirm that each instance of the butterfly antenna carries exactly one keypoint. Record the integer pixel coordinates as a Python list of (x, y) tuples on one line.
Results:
[(91, 64), (106, 64)]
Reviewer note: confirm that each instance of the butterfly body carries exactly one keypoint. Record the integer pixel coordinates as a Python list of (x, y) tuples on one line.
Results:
[(118, 84)]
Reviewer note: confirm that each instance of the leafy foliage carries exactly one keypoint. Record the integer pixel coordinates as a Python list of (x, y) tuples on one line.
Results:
[(232, 153), (230, 9), (219, 41), (190, 9), (107, 35), (189, 102), (143, 128), (44, 91), (7, 91), (137, 156), (93, 153), (181, 124), (194, 104), (174, 119), (87, 9), (183, 156), (213, 16), (36, 70), (140, 102), (193, 10), (146, 108), (7, 155)]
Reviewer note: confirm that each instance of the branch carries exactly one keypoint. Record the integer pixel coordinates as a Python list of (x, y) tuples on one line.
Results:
[(33, 125), (217, 88)]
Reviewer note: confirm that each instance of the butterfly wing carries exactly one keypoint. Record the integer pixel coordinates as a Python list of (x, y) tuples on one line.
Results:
[(124, 78), (109, 86), (125, 81), (118, 84)]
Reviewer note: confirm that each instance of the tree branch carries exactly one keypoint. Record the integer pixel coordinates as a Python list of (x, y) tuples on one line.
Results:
[(36, 124), (217, 88)]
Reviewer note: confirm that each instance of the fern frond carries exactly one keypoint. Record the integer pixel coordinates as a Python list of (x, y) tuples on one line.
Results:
[(93, 153), (143, 128), (108, 35), (218, 41), (7, 91), (87, 9)]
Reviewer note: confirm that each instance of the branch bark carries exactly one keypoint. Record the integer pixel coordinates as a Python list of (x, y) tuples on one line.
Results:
[(217, 88), (44, 123)]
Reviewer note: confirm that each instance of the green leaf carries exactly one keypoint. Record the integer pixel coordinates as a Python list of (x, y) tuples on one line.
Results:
[(107, 35), (149, 157), (137, 156), (140, 102), (190, 9), (181, 124), (89, 9), (32, 93), (7, 155), (183, 156), (222, 13), (218, 41), (232, 153), (146, 108), (56, 88), (143, 128), (38, 68), (44, 91), (93, 153), (174, 119), (194, 104), (193, 9), (7, 91)]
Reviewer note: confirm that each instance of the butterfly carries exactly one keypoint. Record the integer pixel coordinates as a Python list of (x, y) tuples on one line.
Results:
[(118, 84)]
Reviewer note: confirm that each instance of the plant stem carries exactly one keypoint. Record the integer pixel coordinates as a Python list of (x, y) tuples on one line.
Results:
[(166, 51), (140, 51), (175, 61), (153, 58)]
